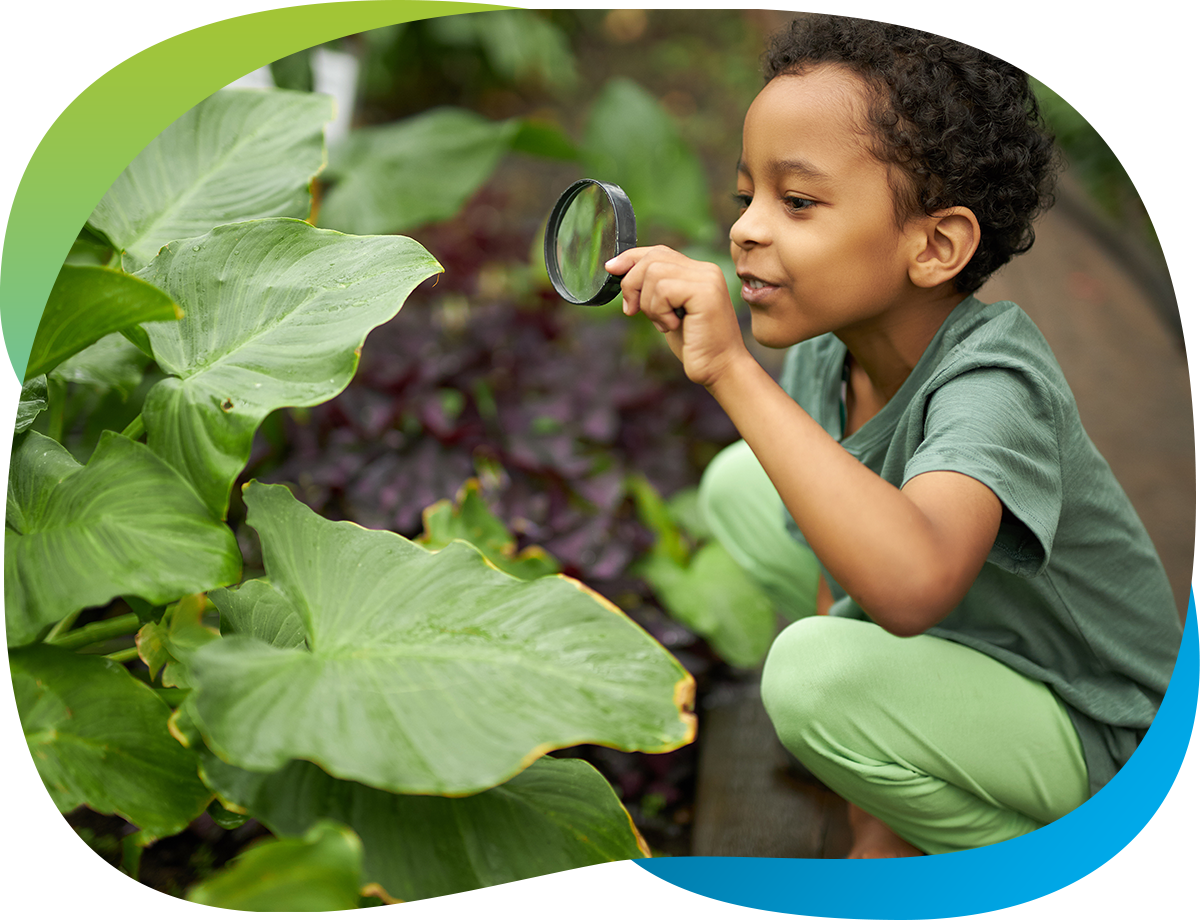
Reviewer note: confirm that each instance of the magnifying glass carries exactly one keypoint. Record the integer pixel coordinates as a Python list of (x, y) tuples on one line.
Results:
[(591, 222)]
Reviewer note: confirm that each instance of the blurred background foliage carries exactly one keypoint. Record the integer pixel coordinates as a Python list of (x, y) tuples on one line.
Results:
[(573, 426), (1111, 80)]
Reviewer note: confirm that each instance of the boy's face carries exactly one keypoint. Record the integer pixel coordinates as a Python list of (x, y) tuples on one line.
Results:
[(817, 245)]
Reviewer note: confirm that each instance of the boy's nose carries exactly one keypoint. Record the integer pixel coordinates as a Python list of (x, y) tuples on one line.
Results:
[(747, 230)]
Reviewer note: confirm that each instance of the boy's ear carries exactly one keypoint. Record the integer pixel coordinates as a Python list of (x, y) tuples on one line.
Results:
[(944, 242)]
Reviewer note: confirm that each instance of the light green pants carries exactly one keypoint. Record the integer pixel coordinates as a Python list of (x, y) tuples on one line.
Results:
[(949, 747)]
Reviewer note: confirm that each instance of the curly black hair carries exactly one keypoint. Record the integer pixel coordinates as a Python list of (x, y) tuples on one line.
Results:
[(963, 126)]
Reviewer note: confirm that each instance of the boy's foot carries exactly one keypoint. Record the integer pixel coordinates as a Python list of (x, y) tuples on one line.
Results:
[(875, 840)]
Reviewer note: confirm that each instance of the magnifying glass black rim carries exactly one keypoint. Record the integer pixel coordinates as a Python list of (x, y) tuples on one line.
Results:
[(626, 238)]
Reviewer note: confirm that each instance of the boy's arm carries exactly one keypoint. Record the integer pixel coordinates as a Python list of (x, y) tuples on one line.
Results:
[(906, 556)]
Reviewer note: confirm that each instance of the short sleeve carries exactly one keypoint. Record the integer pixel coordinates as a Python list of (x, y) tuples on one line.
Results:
[(999, 425)]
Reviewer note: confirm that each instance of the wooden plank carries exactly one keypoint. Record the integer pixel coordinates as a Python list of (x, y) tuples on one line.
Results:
[(751, 800)]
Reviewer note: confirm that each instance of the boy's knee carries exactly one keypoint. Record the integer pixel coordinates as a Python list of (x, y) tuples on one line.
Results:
[(794, 681), (810, 676)]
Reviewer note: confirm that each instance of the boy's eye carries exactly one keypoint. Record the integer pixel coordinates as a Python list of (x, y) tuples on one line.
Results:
[(792, 203)]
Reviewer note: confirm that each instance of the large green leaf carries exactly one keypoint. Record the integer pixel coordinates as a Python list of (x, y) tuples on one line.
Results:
[(321, 871), (237, 155), (88, 302), (423, 169), (112, 363), (631, 140), (99, 738), (275, 315), (425, 672), (264, 613), (78, 536), (554, 816), (37, 466), (32, 403), (543, 139), (47, 80)]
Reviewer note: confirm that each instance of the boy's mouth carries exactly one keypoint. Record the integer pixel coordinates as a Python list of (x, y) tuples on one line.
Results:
[(755, 289)]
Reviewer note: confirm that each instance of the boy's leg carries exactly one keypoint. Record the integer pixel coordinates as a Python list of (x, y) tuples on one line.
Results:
[(745, 513), (947, 746)]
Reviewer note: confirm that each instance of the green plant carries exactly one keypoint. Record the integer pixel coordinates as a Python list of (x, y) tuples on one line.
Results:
[(698, 582), (322, 870), (401, 175), (362, 675), (630, 140)]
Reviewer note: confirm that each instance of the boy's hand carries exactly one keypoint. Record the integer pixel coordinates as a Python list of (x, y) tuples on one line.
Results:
[(658, 281)]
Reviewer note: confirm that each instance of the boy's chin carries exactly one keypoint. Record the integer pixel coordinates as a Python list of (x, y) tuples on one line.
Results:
[(770, 335)]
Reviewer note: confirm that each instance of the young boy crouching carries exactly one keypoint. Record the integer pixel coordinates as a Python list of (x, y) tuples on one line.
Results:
[(1001, 630)]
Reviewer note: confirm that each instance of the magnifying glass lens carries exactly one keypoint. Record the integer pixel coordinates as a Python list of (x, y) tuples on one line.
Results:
[(587, 238), (591, 222)]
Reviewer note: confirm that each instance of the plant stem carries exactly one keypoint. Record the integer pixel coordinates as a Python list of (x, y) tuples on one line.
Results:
[(135, 429), (56, 395), (66, 878), (125, 654), (98, 632), (62, 626)]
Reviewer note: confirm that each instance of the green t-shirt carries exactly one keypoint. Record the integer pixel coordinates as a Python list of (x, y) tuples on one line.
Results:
[(1073, 593)]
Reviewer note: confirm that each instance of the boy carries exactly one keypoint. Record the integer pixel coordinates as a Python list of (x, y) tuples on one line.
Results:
[(1002, 629)]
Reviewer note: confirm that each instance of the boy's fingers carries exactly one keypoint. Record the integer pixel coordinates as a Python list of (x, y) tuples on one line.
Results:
[(631, 294), (623, 262), (668, 291), (643, 269), (620, 264)]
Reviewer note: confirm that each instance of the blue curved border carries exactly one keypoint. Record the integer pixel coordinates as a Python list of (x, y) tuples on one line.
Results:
[(36, 230)]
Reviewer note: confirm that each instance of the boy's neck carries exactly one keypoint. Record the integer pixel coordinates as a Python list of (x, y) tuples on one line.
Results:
[(883, 356)]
